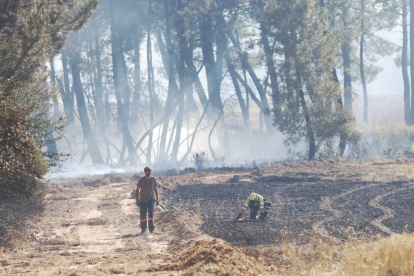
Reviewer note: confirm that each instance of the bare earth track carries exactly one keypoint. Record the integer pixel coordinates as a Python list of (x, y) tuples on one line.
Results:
[(91, 225)]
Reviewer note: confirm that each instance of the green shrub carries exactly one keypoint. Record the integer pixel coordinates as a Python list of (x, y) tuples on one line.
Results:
[(21, 162)]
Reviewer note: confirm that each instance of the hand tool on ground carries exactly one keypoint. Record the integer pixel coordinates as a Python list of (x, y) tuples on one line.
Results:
[(244, 220)]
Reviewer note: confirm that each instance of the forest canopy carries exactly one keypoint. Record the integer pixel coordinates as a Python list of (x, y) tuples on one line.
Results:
[(158, 82)]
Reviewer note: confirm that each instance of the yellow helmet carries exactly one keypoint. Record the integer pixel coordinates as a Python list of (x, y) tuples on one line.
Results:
[(254, 196)]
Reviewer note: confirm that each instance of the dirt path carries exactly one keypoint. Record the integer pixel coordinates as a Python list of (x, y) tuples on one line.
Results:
[(88, 230)]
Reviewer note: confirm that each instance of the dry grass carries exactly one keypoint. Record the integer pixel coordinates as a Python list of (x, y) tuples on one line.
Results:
[(393, 255), (380, 256), (373, 170)]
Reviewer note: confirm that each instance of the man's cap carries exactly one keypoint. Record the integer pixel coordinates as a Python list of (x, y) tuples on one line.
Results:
[(147, 169)]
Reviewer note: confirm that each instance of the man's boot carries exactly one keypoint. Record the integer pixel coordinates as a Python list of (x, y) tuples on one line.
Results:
[(151, 224), (143, 226), (238, 216)]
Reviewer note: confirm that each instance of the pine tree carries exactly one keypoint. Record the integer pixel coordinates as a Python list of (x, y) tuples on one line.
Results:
[(311, 61)]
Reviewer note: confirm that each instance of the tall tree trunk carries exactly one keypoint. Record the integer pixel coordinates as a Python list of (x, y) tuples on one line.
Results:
[(193, 74), (271, 69), (99, 100), (250, 91), (220, 46), (347, 76), (346, 55), (116, 50), (108, 109), (289, 81), (339, 105), (180, 28), (190, 103), (103, 119), (193, 77), (412, 60), (53, 80), (53, 147), (233, 75), (339, 102), (247, 100), (293, 52), (405, 64), (68, 99), (361, 63), (246, 65), (89, 135), (168, 54), (246, 90), (309, 129), (213, 83), (123, 74), (150, 86), (137, 79), (168, 58)]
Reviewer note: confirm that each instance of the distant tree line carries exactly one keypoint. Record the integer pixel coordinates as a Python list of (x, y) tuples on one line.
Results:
[(312, 53)]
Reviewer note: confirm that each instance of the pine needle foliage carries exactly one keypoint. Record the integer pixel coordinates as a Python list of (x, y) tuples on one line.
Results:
[(33, 30), (21, 162), (311, 105)]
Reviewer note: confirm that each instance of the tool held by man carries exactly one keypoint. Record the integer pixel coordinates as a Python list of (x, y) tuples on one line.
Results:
[(162, 208)]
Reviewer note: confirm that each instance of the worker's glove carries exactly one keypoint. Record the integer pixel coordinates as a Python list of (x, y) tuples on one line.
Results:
[(238, 216), (157, 202), (138, 202)]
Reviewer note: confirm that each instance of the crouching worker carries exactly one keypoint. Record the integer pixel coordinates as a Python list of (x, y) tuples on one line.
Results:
[(255, 203), (146, 196)]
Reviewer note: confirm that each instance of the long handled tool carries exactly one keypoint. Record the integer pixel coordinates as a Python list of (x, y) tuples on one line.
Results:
[(163, 208), (244, 220)]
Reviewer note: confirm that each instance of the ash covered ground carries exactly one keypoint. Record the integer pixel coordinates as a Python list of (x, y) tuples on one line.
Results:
[(303, 201)]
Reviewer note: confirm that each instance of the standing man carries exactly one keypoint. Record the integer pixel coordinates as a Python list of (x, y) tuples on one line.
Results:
[(146, 196)]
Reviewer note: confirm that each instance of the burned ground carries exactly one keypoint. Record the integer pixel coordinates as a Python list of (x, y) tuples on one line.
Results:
[(299, 208), (335, 208)]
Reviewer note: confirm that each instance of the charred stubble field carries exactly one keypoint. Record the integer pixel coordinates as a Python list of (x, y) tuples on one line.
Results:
[(299, 209), (336, 200)]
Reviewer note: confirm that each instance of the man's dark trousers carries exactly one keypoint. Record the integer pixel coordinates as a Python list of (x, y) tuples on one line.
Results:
[(253, 211), (143, 208)]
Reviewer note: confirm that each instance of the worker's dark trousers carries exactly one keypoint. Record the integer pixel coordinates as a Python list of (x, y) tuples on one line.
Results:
[(253, 211), (143, 208)]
